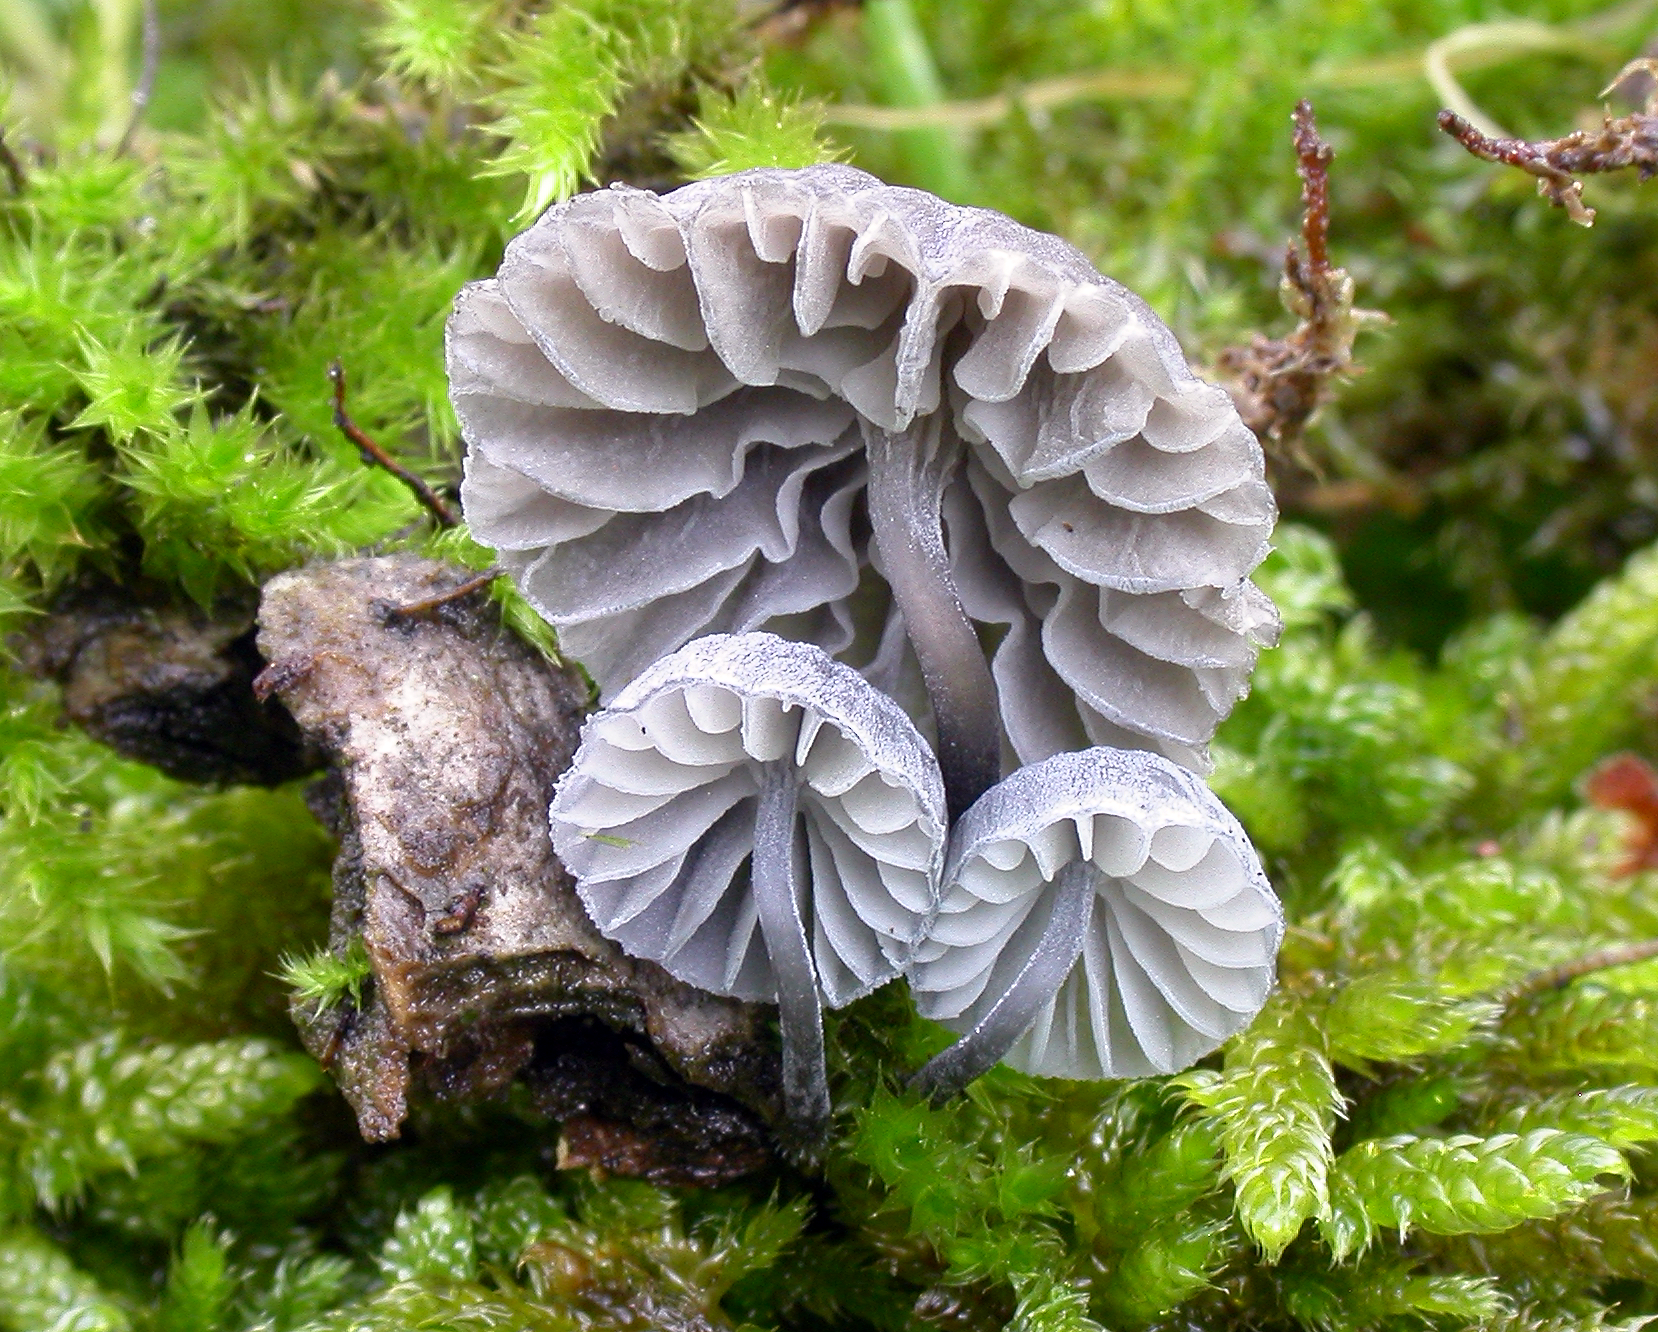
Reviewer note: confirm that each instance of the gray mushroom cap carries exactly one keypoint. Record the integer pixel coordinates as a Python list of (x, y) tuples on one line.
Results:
[(1165, 945), (656, 816), (749, 749), (665, 398)]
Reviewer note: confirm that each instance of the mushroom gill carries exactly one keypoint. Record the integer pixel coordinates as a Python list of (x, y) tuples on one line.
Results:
[(1102, 916), (763, 823)]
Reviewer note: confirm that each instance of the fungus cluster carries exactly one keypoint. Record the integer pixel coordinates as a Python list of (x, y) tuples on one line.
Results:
[(790, 417)]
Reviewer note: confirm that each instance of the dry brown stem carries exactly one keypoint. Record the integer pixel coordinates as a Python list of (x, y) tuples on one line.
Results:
[(1557, 978), (144, 90), (375, 456), (1279, 383), (1621, 142), (426, 605)]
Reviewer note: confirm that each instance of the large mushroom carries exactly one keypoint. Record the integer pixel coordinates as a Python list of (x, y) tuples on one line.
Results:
[(1103, 915), (751, 749), (675, 407)]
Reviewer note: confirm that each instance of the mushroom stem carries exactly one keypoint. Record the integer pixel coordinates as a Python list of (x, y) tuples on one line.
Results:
[(908, 471), (1037, 982), (778, 885)]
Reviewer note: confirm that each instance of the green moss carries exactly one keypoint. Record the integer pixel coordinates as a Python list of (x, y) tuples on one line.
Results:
[(323, 979), (758, 127)]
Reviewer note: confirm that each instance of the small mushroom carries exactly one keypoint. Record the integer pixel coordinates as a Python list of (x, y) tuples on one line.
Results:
[(749, 748), (685, 411), (1103, 915)]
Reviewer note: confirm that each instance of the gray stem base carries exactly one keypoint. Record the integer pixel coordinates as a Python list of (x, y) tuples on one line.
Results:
[(1038, 981), (778, 889), (908, 471)]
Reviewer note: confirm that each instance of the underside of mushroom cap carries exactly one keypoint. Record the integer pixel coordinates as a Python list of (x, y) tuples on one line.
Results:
[(656, 816), (661, 398), (1179, 946)]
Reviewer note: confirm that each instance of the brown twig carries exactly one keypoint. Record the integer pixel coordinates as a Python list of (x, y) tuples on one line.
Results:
[(1627, 141), (144, 89), (1278, 383), (429, 604), (1557, 978), (13, 168), (375, 456), (1312, 163)]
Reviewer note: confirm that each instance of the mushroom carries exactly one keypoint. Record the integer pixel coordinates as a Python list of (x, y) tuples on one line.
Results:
[(1103, 915), (676, 407), (752, 748)]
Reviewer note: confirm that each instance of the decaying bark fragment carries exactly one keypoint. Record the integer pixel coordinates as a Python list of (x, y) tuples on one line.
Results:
[(168, 685), (446, 735), (618, 1115)]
